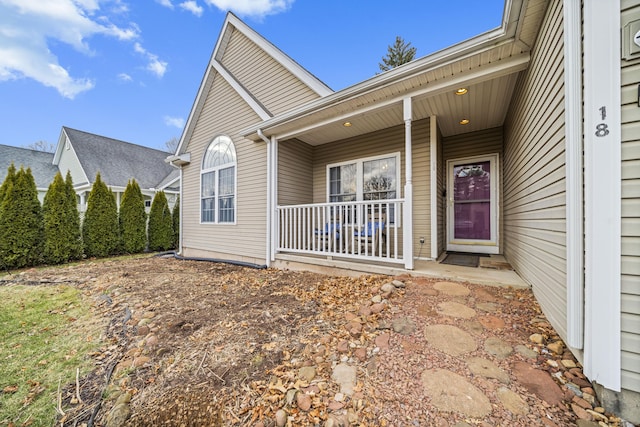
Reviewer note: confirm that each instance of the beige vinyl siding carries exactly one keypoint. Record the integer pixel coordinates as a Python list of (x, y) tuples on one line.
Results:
[(442, 199), (263, 75), (472, 144), (630, 280), (225, 112), (295, 180), (386, 141), (533, 195)]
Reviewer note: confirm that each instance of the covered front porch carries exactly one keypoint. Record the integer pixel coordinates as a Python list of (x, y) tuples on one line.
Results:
[(365, 178)]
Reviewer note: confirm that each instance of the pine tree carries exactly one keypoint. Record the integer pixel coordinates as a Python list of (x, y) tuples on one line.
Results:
[(100, 229), (9, 180), (398, 54), (75, 238), (133, 219), (160, 224), (61, 225), (176, 224), (21, 227)]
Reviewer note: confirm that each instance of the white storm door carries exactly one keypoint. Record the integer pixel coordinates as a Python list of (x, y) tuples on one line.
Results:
[(472, 204)]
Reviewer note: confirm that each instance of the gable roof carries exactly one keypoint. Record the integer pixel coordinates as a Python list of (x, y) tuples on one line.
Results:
[(214, 67), (118, 161), (40, 162)]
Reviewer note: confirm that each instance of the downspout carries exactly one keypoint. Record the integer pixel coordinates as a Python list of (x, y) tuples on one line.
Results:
[(408, 187), (269, 194), (573, 160), (180, 208)]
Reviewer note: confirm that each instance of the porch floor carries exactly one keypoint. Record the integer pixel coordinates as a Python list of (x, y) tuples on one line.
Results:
[(491, 271)]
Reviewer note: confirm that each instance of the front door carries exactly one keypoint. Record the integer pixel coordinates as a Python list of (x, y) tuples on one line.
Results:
[(472, 204)]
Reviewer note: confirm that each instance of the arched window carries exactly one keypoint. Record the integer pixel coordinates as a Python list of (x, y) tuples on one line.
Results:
[(218, 182)]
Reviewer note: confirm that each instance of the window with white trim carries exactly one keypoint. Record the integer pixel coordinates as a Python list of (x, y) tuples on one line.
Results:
[(218, 182), (371, 178)]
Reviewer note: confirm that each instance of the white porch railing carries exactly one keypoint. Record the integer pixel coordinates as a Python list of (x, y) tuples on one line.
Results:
[(358, 230)]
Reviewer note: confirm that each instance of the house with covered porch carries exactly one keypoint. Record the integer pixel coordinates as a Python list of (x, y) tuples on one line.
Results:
[(509, 143)]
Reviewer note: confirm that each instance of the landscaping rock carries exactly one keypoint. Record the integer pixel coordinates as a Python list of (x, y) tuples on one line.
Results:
[(404, 326), (450, 339), (450, 392), (455, 309), (345, 376)]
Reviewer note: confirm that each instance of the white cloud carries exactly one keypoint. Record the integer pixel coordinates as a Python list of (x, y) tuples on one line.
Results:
[(155, 65), (165, 3), (125, 77), (29, 29), (192, 7), (257, 8), (174, 121)]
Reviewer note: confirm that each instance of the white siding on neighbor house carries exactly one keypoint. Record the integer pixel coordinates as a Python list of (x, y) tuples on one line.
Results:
[(263, 74), (630, 267), (69, 162), (533, 195), (225, 112), (386, 141)]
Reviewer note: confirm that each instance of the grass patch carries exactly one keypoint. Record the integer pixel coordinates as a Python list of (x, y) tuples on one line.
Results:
[(45, 334)]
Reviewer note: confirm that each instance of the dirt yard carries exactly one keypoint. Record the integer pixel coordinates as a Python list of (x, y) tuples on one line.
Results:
[(202, 344)]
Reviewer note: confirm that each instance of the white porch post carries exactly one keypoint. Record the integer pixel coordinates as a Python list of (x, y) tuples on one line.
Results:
[(603, 175), (275, 220), (407, 245)]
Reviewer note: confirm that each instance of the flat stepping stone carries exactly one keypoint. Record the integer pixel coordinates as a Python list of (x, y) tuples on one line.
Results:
[(498, 348), (538, 382), (512, 401), (455, 309), (526, 351), (426, 310), (452, 393), (452, 288), (486, 368), (345, 376), (473, 326), (449, 339), (491, 322), (490, 307)]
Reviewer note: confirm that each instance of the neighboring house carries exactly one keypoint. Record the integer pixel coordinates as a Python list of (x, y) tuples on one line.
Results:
[(41, 165), (523, 141), (85, 154)]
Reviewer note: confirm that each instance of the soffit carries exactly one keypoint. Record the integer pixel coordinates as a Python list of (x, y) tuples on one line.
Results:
[(489, 75)]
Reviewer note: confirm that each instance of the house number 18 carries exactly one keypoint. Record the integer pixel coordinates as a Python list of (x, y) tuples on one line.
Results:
[(602, 128)]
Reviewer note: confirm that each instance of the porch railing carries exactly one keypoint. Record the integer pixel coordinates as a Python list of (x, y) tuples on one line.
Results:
[(358, 230)]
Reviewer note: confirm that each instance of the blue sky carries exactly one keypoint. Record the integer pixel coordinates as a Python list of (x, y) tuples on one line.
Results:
[(130, 70)]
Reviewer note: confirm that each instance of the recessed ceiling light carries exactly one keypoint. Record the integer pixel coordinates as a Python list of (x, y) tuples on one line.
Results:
[(464, 121), (461, 91), (346, 124)]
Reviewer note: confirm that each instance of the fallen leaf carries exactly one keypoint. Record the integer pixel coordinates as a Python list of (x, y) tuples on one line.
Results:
[(10, 389)]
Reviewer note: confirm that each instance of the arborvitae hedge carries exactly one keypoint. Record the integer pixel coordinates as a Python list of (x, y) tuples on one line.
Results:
[(176, 223), (160, 224), (133, 219), (61, 223), (100, 229), (21, 226), (77, 249), (8, 180)]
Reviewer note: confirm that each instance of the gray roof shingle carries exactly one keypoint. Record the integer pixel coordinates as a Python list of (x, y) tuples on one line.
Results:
[(41, 163), (118, 161)]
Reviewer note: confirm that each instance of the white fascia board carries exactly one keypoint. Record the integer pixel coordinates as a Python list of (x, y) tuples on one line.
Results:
[(62, 139), (292, 66), (246, 96), (196, 107)]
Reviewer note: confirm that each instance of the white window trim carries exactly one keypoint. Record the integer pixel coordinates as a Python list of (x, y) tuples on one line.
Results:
[(216, 170), (360, 173)]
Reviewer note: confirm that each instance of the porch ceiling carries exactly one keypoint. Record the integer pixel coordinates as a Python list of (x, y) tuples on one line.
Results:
[(484, 105), (489, 77)]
